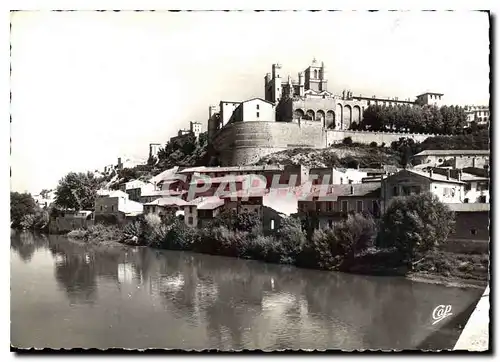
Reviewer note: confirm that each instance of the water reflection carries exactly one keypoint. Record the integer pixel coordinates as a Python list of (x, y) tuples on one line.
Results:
[(226, 303)]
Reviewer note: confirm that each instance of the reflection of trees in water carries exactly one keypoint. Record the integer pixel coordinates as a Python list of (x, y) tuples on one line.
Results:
[(78, 266), (75, 272), (26, 243)]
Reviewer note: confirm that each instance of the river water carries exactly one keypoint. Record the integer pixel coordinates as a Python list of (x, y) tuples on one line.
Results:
[(66, 294)]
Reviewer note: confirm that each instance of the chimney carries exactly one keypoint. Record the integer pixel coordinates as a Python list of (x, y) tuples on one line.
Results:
[(448, 174), (430, 172)]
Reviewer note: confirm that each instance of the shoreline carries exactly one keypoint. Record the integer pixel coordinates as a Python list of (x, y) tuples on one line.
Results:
[(420, 277)]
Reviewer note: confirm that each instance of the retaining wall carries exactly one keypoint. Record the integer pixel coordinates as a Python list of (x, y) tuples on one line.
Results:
[(244, 143)]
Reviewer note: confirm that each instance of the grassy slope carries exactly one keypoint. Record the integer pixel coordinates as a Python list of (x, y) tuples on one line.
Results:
[(335, 156)]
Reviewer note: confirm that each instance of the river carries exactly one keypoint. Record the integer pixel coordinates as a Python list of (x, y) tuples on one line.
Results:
[(66, 294)]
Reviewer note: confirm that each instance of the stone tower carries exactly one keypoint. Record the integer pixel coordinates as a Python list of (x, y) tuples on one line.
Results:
[(315, 77), (273, 88)]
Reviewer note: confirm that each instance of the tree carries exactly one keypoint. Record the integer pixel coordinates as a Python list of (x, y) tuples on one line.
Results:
[(21, 204), (77, 191), (415, 224), (347, 141)]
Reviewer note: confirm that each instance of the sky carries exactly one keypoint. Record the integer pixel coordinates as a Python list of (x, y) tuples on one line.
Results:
[(88, 87)]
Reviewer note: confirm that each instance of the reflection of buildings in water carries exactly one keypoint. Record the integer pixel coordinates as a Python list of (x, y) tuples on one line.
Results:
[(167, 284), (59, 259), (126, 273)]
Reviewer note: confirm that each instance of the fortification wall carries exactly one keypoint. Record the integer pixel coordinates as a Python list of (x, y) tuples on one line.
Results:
[(337, 136), (244, 143)]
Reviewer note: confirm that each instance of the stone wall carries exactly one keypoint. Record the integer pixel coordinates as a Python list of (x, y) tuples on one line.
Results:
[(245, 143), (337, 136)]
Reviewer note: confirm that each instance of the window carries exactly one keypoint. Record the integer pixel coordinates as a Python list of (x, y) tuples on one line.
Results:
[(257, 106), (482, 199), (272, 224), (359, 206), (467, 187), (466, 200), (473, 231), (329, 206), (330, 223), (112, 208), (190, 220), (101, 207), (344, 206), (395, 191), (257, 114)]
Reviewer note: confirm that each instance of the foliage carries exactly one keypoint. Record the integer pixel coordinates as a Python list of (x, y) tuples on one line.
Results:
[(347, 141), (329, 248), (405, 118), (133, 229), (373, 144), (21, 204), (97, 232), (479, 140), (417, 223), (77, 191)]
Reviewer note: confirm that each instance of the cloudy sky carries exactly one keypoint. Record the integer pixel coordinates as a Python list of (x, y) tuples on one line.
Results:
[(88, 87)]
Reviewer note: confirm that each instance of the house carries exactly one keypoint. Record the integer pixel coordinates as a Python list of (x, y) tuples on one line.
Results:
[(275, 175), (471, 221), (150, 196), (411, 181), (199, 211), (335, 176), (213, 186), (453, 158), (332, 203), (116, 207), (477, 188), (164, 205)]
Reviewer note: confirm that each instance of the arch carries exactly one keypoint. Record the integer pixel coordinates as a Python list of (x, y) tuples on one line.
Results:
[(347, 117), (310, 114), (320, 116), (315, 74), (340, 116), (356, 114), (298, 114), (330, 119)]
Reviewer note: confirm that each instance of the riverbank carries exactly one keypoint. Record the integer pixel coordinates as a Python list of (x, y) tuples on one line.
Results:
[(436, 267)]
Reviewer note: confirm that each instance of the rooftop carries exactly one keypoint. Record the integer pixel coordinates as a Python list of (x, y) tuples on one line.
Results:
[(332, 192), (435, 176), (210, 204), (452, 152), (168, 201), (204, 169), (474, 207)]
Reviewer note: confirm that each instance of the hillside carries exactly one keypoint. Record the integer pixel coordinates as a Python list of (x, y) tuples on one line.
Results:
[(350, 154), (336, 156), (179, 152)]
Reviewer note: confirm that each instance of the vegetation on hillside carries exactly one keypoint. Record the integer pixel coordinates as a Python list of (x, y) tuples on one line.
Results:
[(185, 151), (426, 119), (351, 155)]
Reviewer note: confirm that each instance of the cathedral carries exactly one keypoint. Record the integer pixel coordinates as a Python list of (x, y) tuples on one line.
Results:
[(309, 99)]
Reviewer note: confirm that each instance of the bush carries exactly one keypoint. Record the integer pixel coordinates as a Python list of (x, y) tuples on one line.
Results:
[(79, 234), (347, 141), (417, 223), (134, 229), (373, 144)]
